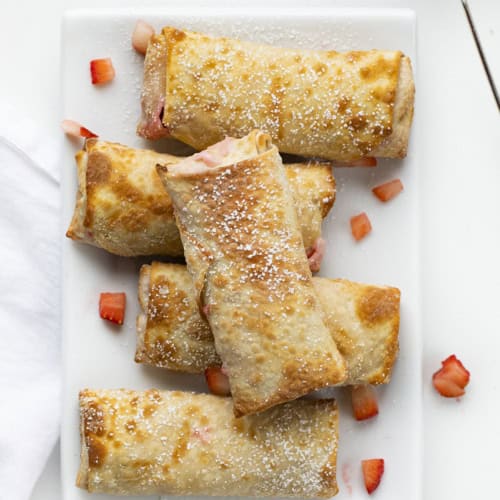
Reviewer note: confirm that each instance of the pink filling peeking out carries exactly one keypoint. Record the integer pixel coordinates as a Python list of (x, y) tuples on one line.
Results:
[(204, 434), (207, 158), (206, 310), (315, 254), (224, 147), (214, 155), (152, 127)]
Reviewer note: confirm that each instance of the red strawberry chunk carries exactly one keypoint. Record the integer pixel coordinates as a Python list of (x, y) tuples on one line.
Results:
[(217, 381), (451, 380), (364, 402), (360, 226), (85, 132), (373, 469), (447, 388), (101, 71), (388, 190), (74, 129), (112, 307)]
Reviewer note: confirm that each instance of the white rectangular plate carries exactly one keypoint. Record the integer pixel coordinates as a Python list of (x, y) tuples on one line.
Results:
[(98, 355)]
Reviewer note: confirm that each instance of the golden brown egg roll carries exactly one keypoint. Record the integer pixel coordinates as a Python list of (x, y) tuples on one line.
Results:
[(179, 443), (244, 252), (122, 206), (363, 321), (324, 104)]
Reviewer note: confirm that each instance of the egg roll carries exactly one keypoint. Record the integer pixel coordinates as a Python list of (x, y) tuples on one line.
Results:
[(324, 104), (245, 255), (363, 321), (179, 443), (121, 204)]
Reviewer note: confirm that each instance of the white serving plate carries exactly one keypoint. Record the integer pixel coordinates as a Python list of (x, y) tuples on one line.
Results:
[(97, 354)]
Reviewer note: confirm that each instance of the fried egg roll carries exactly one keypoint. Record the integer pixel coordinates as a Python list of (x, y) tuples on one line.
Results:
[(324, 104), (363, 321), (122, 206), (244, 252), (178, 443)]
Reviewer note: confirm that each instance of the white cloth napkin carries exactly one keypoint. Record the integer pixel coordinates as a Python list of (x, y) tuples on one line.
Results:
[(30, 239)]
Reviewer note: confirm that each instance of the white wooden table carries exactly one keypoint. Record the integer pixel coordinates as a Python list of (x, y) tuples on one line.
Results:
[(458, 129)]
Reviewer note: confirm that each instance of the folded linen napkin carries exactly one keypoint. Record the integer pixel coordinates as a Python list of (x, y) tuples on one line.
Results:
[(29, 302)]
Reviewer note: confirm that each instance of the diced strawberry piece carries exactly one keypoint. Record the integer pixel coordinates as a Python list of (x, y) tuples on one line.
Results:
[(101, 71), (141, 36), (360, 226), (112, 307), (217, 381), (362, 162), (388, 190), (455, 370), (364, 402), (373, 469), (74, 129), (85, 132), (447, 388), (451, 380)]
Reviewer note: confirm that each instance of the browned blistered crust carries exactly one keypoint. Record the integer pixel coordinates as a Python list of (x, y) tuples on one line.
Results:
[(396, 144), (327, 104), (122, 206), (245, 255), (167, 297), (365, 325), (313, 190), (176, 443), (362, 319)]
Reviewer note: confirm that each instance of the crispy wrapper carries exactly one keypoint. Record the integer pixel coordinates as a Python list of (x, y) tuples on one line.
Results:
[(245, 254), (326, 104), (123, 207), (362, 319), (179, 443)]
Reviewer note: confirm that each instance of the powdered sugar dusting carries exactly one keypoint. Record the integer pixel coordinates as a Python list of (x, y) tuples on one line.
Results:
[(156, 442), (246, 256), (326, 104)]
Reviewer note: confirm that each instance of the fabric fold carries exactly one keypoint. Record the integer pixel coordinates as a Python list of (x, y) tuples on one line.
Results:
[(29, 302)]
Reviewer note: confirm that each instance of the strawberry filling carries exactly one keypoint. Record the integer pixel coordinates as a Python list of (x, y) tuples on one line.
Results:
[(207, 158), (204, 435), (206, 310), (214, 155), (315, 254)]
